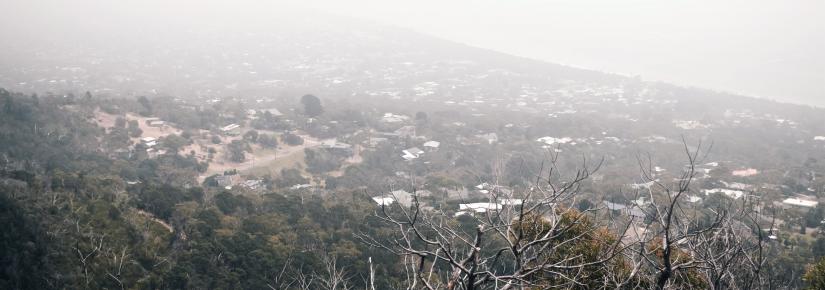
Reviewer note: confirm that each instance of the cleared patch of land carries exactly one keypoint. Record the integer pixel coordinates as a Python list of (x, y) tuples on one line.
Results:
[(260, 162), (160, 222), (263, 161), (107, 121), (273, 167)]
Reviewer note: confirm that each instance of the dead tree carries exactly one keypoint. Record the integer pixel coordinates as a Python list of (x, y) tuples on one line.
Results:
[(115, 270), (280, 279), (515, 243), (304, 281), (332, 277), (87, 251), (692, 248)]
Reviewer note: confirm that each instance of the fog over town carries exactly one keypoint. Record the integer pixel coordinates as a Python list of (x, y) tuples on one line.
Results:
[(762, 48), (367, 144), (768, 49)]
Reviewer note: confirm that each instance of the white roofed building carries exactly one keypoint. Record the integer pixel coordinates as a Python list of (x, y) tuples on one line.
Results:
[(403, 198), (412, 153), (479, 207), (431, 145), (383, 200), (800, 202), (732, 193), (274, 112), (156, 123), (231, 129)]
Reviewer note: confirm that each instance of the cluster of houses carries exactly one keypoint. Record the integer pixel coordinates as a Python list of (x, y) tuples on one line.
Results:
[(412, 153), (151, 145), (229, 181), (253, 114), (401, 133), (405, 199)]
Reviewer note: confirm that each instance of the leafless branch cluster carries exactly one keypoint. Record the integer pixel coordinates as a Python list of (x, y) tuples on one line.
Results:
[(685, 247), (88, 247), (330, 277), (539, 241)]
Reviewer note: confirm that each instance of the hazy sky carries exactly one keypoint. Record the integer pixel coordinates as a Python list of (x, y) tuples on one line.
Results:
[(771, 48)]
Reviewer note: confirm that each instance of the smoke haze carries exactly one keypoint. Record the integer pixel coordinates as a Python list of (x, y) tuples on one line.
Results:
[(770, 49)]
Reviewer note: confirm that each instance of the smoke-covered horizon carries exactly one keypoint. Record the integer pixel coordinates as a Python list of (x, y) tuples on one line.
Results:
[(769, 49)]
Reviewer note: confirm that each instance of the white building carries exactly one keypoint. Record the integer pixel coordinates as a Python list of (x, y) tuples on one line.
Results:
[(553, 140), (745, 172), (645, 185), (383, 200), (511, 201), (432, 145), (403, 198), (231, 129), (156, 123), (479, 207), (149, 142), (732, 193), (800, 202), (412, 153), (274, 112), (393, 118)]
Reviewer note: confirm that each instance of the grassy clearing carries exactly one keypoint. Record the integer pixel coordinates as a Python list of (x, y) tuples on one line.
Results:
[(273, 167)]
